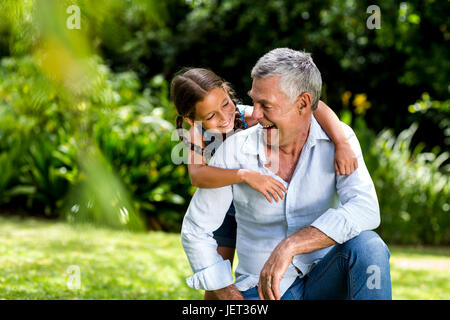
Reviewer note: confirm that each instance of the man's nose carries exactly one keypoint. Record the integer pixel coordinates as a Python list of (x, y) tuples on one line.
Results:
[(257, 112)]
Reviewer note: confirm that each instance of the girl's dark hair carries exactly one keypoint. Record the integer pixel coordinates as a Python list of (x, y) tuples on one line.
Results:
[(191, 85)]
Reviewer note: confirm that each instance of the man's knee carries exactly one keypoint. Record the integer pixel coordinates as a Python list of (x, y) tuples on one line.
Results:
[(369, 261)]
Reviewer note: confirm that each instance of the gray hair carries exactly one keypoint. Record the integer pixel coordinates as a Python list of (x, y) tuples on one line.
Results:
[(297, 70)]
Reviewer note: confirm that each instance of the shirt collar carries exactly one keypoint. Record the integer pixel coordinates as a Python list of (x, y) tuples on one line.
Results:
[(254, 143), (316, 132)]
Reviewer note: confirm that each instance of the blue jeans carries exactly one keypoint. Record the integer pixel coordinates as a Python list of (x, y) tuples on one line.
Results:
[(357, 269)]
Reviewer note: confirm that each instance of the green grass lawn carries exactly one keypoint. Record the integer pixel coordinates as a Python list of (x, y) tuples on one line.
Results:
[(36, 257)]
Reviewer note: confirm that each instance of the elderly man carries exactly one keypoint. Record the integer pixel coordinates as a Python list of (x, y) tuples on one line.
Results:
[(313, 244)]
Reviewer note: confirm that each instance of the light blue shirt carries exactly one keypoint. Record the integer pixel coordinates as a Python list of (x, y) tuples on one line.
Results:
[(339, 206)]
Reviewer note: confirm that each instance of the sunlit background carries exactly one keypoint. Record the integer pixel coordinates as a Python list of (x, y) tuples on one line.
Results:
[(86, 177)]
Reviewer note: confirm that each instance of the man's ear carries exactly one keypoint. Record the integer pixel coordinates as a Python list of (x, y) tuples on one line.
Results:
[(303, 101)]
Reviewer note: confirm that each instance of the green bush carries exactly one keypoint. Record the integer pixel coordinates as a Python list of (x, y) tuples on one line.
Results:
[(43, 136), (33, 131), (413, 187), (138, 144)]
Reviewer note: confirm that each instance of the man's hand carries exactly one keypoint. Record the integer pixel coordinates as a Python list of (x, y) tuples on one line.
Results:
[(272, 272), (227, 293), (305, 240)]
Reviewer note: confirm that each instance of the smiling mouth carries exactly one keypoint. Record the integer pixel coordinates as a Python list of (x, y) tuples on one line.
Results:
[(226, 124)]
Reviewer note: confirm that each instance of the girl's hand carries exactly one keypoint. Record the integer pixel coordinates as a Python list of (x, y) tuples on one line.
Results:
[(265, 184), (345, 161)]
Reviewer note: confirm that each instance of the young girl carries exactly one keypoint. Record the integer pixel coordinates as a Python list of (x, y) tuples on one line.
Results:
[(201, 96)]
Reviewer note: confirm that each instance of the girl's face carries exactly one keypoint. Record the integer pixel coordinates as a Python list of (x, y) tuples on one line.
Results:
[(216, 111)]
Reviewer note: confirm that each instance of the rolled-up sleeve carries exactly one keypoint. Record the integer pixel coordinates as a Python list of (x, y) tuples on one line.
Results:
[(205, 214), (358, 209)]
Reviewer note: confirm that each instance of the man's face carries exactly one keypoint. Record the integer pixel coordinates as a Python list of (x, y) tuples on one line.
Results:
[(273, 110)]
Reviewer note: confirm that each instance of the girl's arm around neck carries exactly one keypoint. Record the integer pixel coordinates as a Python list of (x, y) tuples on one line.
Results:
[(330, 123), (204, 176), (345, 161)]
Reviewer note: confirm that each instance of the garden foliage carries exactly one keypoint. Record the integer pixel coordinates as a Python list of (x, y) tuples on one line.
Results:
[(86, 124)]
